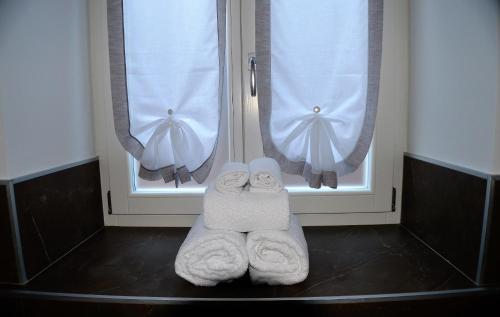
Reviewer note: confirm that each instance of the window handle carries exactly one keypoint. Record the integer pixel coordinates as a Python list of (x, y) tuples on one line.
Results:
[(253, 84)]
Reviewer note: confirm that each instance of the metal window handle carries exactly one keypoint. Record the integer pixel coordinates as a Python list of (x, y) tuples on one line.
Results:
[(253, 84)]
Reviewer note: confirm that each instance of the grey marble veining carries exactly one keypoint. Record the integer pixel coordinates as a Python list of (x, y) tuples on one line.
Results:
[(352, 260), (445, 208), (57, 211)]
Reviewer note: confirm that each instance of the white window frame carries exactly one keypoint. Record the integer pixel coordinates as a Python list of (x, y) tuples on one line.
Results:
[(130, 208)]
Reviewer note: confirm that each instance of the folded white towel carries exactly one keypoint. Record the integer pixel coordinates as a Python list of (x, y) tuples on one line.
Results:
[(278, 257), (210, 256), (265, 175), (246, 211), (232, 177)]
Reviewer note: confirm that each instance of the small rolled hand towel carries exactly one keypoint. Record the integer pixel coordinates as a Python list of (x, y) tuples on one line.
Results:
[(246, 211), (278, 257), (207, 257), (232, 177), (265, 175)]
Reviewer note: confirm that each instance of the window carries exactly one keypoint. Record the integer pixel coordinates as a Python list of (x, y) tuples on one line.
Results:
[(362, 197)]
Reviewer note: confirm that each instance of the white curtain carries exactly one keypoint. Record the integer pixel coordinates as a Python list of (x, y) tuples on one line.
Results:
[(166, 67), (318, 67)]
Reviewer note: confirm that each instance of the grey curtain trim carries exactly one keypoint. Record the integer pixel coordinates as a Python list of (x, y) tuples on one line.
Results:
[(202, 172), (168, 174), (120, 96), (264, 89), (118, 74)]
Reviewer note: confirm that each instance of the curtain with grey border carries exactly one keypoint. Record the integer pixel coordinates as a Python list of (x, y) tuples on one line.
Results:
[(318, 69), (167, 59)]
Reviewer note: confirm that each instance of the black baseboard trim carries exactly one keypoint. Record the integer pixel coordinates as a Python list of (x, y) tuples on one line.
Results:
[(36, 188), (486, 214), (150, 300)]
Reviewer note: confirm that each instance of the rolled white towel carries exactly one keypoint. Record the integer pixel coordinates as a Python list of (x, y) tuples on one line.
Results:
[(246, 211), (278, 257), (265, 175), (232, 177), (207, 257)]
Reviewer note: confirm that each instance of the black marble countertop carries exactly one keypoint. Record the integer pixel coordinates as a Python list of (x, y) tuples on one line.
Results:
[(366, 261)]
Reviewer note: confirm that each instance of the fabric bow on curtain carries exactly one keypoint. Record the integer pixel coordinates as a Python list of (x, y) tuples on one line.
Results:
[(172, 141), (167, 59), (319, 142), (318, 69)]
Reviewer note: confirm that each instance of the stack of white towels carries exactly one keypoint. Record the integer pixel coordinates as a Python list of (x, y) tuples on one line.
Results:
[(246, 223)]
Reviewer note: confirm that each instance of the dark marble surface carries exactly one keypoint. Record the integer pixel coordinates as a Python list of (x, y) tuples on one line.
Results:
[(56, 212), (456, 305), (492, 255), (8, 269), (352, 260), (445, 207)]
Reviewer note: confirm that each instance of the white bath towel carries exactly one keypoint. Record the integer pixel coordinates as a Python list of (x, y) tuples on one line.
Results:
[(278, 257), (246, 211), (208, 257), (265, 175), (232, 177)]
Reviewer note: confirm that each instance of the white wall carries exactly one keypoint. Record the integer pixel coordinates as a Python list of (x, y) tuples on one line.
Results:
[(496, 163), (3, 158), (45, 97), (454, 80)]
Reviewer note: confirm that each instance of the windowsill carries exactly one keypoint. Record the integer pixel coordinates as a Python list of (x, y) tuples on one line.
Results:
[(346, 263), (292, 191)]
